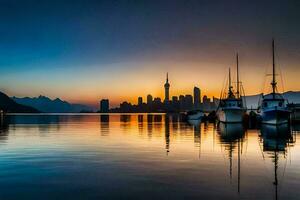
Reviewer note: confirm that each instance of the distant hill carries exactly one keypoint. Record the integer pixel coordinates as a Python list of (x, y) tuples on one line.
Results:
[(10, 106), (47, 105), (292, 97)]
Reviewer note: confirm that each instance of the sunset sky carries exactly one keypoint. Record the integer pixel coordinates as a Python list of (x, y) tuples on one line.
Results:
[(82, 51)]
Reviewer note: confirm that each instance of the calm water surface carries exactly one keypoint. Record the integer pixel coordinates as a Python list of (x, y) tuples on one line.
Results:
[(145, 157)]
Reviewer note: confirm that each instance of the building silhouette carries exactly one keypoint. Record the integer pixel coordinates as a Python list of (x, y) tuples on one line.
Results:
[(167, 88), (104, 106), (197, 97), (157, 100), (174, 98), (188, 101), (181, 103), (126, 107), (175, 106), (149, 99), (140, 101)]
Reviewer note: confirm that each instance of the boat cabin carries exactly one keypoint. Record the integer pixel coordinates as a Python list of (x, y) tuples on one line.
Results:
[(231, 102), (271, 101)]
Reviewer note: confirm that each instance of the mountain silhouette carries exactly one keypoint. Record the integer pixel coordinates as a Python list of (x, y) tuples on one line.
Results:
[(291, 96), (10, 106), (45, 104)]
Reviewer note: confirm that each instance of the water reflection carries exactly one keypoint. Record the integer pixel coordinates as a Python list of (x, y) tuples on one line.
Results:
[(231, 133), (167, 133), (275, 141), (231, 136), (104, 125), (175, 120), (197, 133), (140, 123), (125, 118), (3, 128), (152, 156), (149, 125), (276, 138)]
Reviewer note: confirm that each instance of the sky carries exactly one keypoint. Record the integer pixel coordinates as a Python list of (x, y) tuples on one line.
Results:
[(82, 51)]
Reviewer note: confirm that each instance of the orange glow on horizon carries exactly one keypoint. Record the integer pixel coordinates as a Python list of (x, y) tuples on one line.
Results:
[(142, 78)]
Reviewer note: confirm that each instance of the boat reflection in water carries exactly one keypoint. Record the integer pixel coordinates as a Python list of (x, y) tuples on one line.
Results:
[(195, 122), (232, 137), (231, 132), (275, 140), (197, 133)]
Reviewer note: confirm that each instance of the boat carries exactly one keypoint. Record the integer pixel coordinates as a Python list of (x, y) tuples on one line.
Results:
[(231, 108), (273, 106), (195, 115)]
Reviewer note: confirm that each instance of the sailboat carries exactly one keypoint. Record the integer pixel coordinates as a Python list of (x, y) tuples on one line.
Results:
[(231, 108), (273, 106)]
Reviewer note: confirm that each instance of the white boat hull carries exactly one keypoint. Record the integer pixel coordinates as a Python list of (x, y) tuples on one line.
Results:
[(231, 115)]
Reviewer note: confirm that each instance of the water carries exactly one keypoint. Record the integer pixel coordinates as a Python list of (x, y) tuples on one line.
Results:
[(145, 157)]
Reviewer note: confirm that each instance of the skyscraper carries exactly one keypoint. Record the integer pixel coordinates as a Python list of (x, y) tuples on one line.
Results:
[(140, 101), (157, 100), (206, 103), (149, 99), (104, 105), (174, 98), (188, 101), (181, 102), (167, 87), (197, 97)]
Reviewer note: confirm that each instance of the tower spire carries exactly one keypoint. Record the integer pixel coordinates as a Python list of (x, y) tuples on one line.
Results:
[(229, 80), (167, 77), (167, 87)]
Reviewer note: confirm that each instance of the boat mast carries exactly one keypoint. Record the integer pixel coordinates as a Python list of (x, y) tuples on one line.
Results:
[(274, 78), (237, 77), (229, 79)]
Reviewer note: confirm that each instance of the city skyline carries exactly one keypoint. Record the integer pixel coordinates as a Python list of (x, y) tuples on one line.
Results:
[(168, 104), (75, 50)]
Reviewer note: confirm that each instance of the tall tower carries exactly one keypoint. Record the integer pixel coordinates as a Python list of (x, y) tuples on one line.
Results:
[(197, 97), (104, 106), (167, 87)]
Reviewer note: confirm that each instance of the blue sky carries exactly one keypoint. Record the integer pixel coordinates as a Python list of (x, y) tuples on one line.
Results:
[(76, 49)]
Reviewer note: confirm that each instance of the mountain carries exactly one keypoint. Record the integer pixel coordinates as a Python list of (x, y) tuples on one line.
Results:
[(10, 106), (291, 96), (47, 105)]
